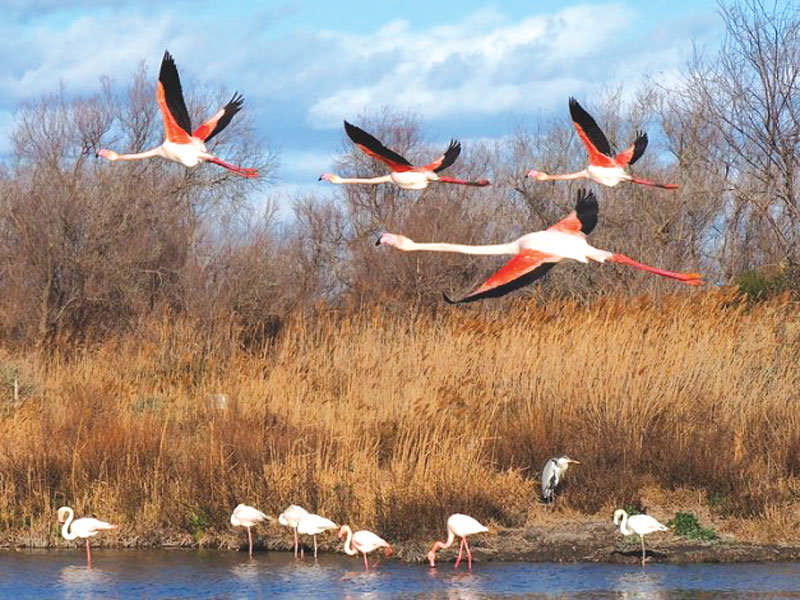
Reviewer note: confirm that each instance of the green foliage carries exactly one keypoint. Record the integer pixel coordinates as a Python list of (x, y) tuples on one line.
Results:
[(765, 282), (633, 509), (686, 525), (199, 522)]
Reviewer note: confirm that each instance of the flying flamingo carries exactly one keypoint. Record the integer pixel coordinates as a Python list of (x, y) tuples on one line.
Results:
[(404, 174), (461, 526), (604, 167), (291, 518), (552, 474), (314, 525), (363, 541), (247, 516), (638, 524), (81, 528), (536, 253), (180, 145)]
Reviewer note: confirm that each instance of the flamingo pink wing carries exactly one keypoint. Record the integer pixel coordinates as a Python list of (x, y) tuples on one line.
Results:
[(445, 160), (526, 267), (591, 135), (583, 218), (219, 121), (172, 131), (633, 152), (371, 146)]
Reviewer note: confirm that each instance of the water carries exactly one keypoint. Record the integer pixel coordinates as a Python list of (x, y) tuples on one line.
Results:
[(201, 573)]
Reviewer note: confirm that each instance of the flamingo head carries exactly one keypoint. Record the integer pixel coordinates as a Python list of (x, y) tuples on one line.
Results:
[(342, 531), (329, 177), (388, 551), (400, 242), (432, 555), (537, 175), (619, 514), (62, 514), (109, 154)]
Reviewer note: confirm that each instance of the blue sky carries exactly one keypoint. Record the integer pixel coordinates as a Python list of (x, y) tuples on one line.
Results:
[(468, 68)]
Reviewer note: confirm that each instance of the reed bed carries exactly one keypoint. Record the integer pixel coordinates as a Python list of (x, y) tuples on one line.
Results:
[(393, 421)]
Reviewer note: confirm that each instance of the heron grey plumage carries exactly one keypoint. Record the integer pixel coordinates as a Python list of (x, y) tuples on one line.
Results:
[(552, 476)]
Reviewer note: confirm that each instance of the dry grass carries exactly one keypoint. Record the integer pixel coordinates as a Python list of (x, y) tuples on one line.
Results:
[(393, 422)]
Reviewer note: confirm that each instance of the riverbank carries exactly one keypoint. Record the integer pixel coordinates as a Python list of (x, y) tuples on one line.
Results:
[(392, 422)]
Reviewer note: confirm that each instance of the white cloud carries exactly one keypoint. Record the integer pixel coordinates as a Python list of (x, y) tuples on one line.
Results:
[(502, 66)]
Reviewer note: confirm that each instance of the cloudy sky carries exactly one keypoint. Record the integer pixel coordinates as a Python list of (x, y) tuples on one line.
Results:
[(468, 68)]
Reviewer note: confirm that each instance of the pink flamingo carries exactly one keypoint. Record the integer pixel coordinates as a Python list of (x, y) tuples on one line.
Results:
[(461, 526), (536, 253), (81, 528), (247, 516), (604, 167), (404, 174), (363, 541), (180, 145)]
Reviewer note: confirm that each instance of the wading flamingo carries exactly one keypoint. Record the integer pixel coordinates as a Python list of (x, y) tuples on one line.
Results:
[(552, 474), (363, 541), (81, 528), (291, 518), (247, 516), (461, 526), (536, 253), (604, 167), (181, 145), (314, 525), (638, 524), (404, 174)]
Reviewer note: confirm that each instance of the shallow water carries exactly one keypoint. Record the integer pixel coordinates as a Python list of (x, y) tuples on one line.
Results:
[(203, 573)]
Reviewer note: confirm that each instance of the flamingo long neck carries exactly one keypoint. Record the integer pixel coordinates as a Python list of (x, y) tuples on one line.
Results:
[(65, 531), (510, 248), (373, 180), (348, 549), (451, 536), (623, 525), (157, 151), (583, 174)]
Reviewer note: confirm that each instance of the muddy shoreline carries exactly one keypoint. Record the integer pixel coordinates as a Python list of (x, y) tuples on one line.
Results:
[(588, 542)]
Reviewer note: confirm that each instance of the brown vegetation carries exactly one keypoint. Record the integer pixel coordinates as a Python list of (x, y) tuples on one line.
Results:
[(395, 421)]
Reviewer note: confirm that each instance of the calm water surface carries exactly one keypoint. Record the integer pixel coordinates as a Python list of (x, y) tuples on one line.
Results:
[(193, 574)]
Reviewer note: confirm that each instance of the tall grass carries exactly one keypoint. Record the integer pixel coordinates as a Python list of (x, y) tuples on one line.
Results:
[(394, 421)]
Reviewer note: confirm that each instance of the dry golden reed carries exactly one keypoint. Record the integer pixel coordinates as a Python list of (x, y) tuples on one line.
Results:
[(394, 421)]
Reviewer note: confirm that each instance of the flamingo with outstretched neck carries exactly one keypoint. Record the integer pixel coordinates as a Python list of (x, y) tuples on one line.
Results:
[(85, 528), (403, 173), (181, 144), (604, 167), (461, 526), (363, 541), (536, 253)]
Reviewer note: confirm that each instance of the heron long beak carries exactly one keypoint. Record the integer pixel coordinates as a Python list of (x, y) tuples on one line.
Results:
[(575, 462)]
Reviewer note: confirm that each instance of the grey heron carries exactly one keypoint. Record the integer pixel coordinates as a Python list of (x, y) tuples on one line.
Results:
[(553, 474)]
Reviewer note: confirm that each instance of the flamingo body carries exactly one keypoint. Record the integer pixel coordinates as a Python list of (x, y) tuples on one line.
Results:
[(181, 144), (363, 541), (403, 174), (84, 528), (461, 526), (314, 525), (536, 253), (640, 525)]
